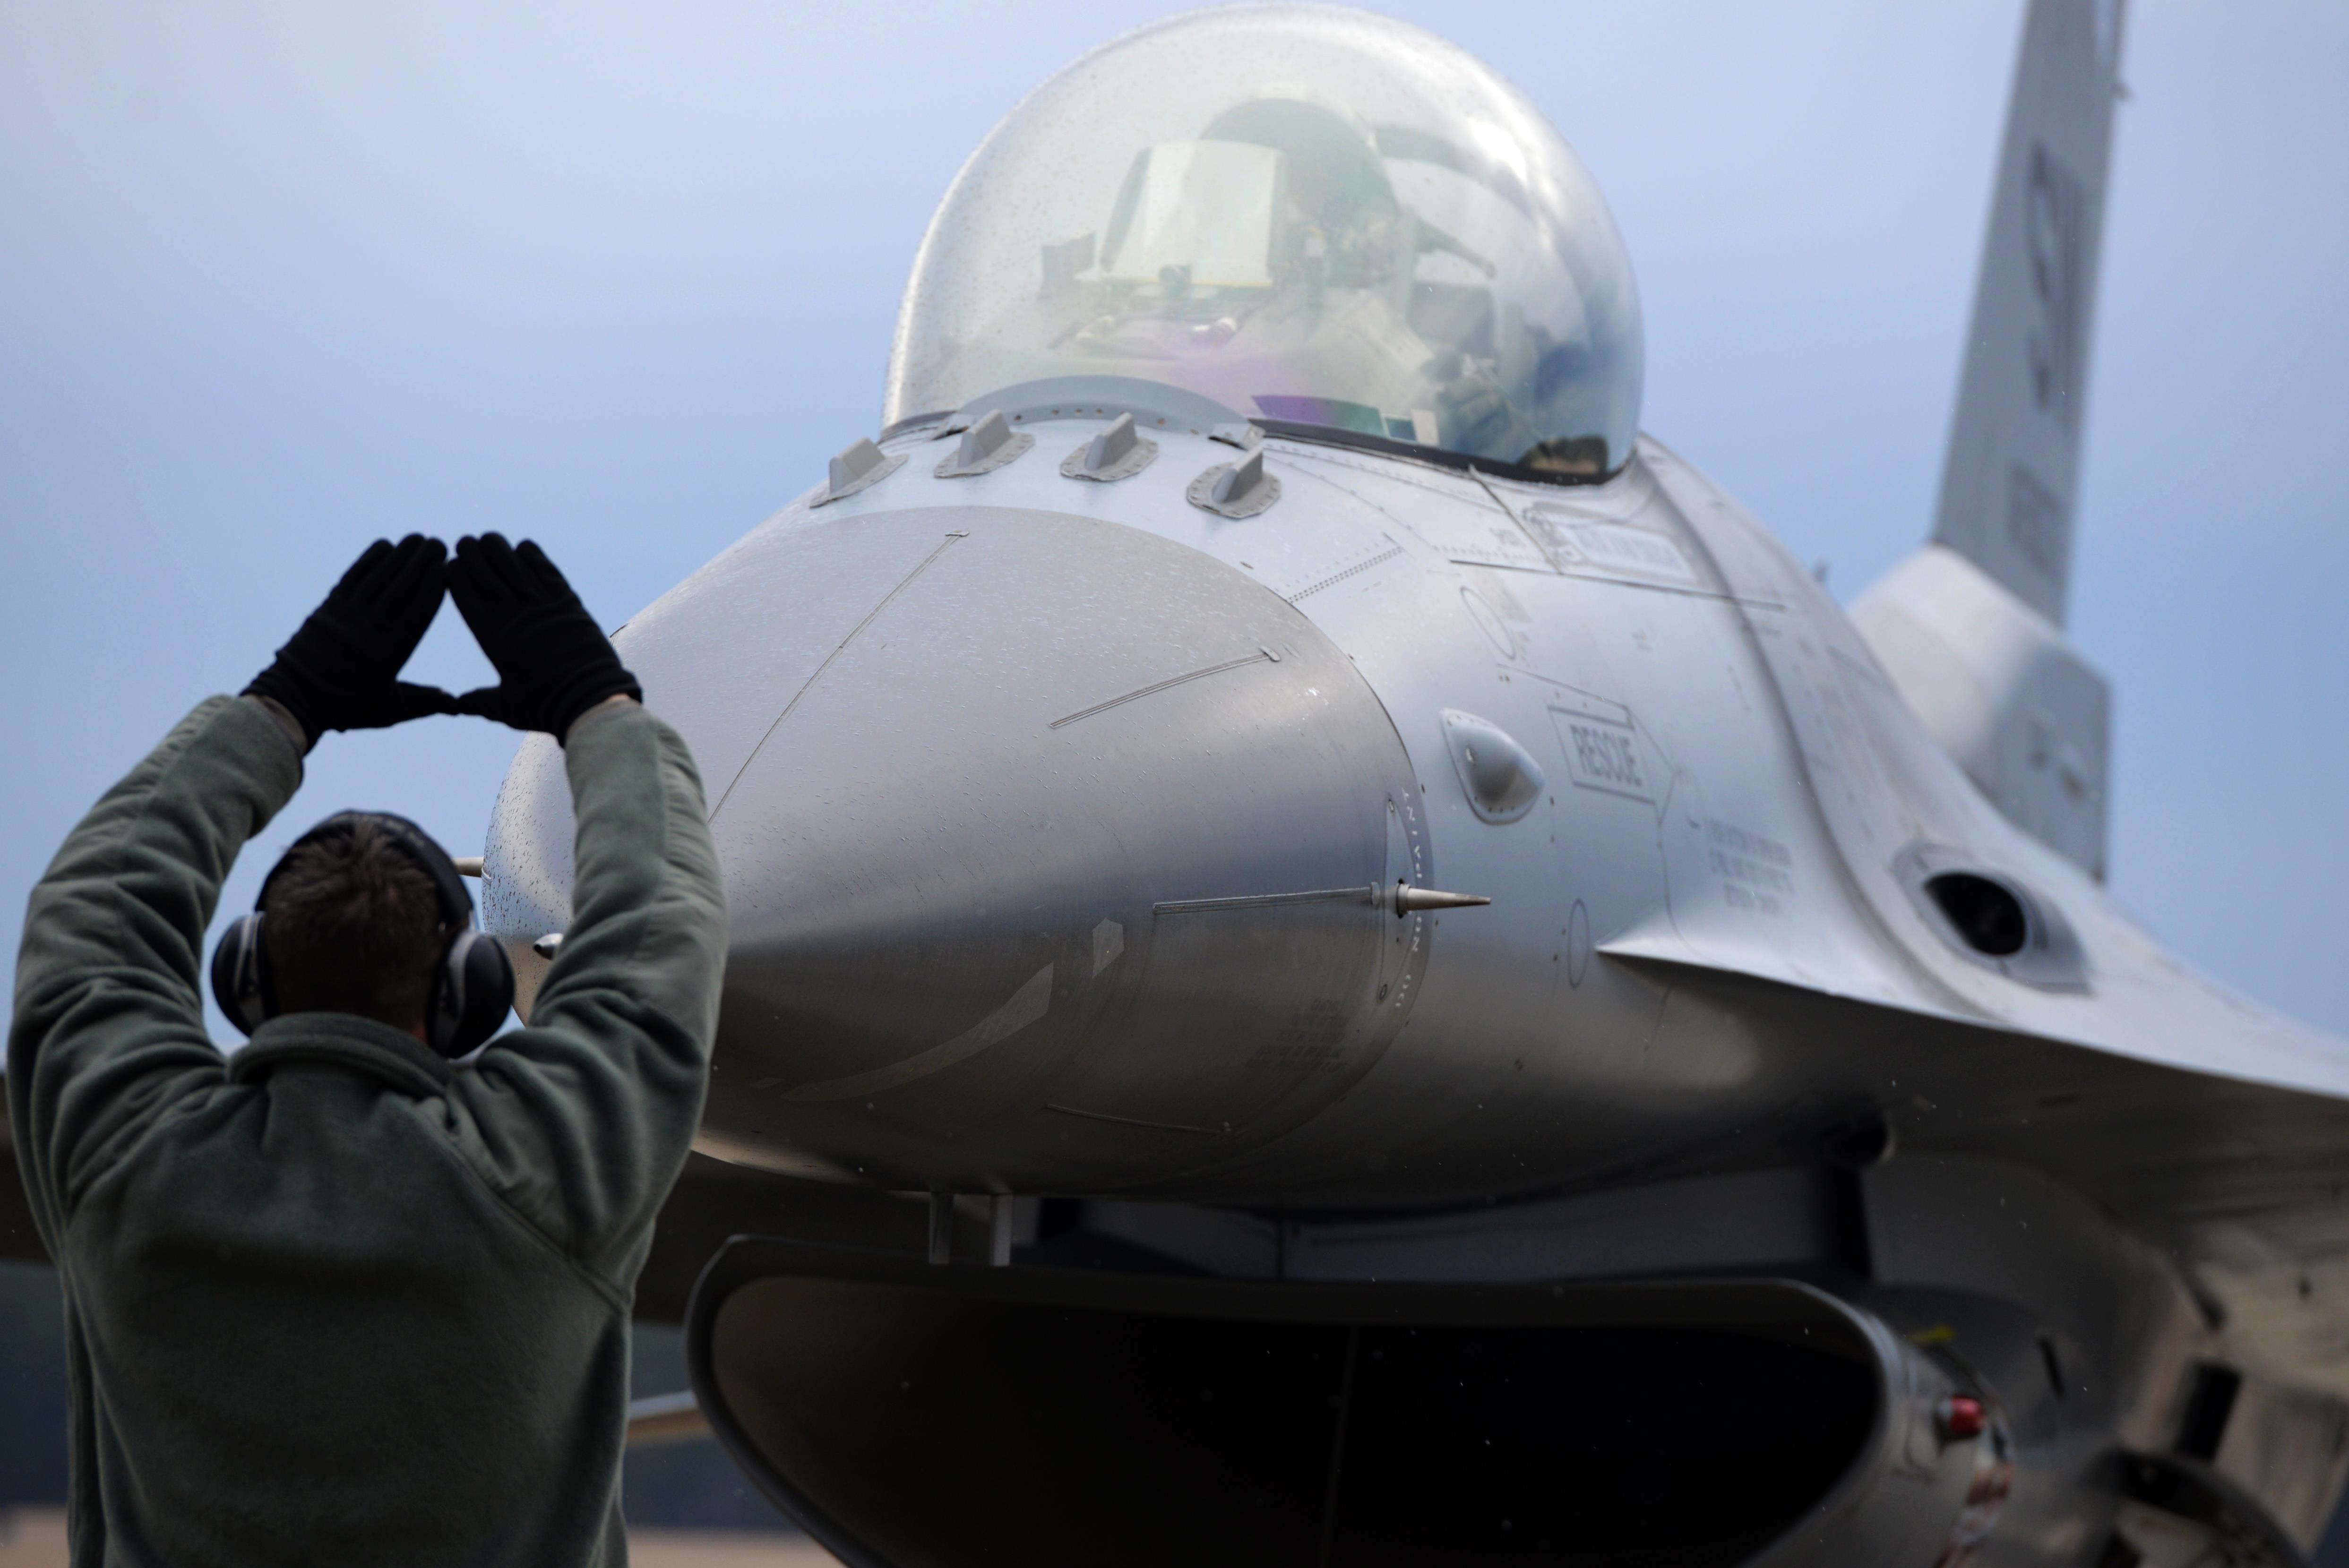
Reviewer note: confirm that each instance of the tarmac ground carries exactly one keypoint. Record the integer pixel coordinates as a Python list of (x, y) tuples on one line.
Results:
[(36, 1537)]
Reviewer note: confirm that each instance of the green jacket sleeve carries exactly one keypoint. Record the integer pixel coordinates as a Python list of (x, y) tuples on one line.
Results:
[(108, 1029), (583, 1120)]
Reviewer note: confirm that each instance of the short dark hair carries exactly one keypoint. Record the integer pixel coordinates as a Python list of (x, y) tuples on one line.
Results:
[(352, 925)]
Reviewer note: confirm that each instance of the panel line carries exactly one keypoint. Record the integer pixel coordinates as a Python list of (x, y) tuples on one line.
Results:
[(904, 583), (1260, 656)]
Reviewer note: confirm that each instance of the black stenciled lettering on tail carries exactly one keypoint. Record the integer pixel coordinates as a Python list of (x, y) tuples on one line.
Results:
[(2055, 219)]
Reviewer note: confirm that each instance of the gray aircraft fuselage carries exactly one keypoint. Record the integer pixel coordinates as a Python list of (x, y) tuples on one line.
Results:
[(1062, 822), (1108, 788)]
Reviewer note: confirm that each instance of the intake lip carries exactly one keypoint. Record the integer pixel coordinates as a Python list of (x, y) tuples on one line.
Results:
[(895, 1408)]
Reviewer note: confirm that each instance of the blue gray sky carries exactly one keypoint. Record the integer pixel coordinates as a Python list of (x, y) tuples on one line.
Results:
[(275, 279)]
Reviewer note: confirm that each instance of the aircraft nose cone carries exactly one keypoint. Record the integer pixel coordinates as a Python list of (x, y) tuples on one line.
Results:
[(1054, 850), (983, 862)]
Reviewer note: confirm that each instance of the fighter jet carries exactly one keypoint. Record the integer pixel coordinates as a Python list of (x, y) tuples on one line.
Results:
[(1487, 1017)]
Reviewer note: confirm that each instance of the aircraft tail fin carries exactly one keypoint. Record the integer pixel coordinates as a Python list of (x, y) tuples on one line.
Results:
[(2011, 472), (1970, 629)]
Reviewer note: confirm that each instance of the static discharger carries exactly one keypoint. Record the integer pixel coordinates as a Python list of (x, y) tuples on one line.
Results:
[(1118, 452), (986, 446)]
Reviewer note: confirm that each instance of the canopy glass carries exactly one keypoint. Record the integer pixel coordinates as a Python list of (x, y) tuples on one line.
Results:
[(1303, 213)]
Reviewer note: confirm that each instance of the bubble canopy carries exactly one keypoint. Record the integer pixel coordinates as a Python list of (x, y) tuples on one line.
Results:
[(1305, 214)]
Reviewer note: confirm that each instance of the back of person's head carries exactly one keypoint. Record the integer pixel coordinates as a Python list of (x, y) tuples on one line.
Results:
[(354, 925)]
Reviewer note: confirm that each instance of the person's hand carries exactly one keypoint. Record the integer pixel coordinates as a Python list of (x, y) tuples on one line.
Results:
[(341, 669), (553, 663)]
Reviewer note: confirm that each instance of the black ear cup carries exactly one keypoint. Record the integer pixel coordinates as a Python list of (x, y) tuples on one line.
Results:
[(240, 975), (471, 995)]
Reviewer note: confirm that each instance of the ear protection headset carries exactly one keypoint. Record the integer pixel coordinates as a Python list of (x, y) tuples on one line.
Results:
[(472, 983)]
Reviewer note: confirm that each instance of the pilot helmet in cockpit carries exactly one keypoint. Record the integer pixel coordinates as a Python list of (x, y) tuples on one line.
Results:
[(1338, 190)]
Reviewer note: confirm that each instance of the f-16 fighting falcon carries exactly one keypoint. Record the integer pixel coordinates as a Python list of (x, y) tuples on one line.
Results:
[(1550, 1039)]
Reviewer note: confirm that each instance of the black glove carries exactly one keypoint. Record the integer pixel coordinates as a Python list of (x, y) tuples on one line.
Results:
[(340, 670), (553, 661)]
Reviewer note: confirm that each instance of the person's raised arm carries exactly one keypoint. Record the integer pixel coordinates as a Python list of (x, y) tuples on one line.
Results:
[(586, 1116), (109, 1022)]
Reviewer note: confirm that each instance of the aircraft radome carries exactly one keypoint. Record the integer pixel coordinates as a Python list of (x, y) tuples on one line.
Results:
[(1492, 1019)]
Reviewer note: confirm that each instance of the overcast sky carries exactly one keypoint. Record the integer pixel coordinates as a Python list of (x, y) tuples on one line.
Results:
[(275, 279)]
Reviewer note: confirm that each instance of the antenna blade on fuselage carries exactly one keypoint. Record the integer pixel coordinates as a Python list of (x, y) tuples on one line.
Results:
[(2011, 480)]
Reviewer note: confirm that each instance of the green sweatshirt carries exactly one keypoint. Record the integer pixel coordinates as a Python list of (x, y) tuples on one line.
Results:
[(333, 1299)]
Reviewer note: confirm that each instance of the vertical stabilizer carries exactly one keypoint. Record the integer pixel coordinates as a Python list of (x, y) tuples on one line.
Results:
[(1970, 629), (2012, 470)]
